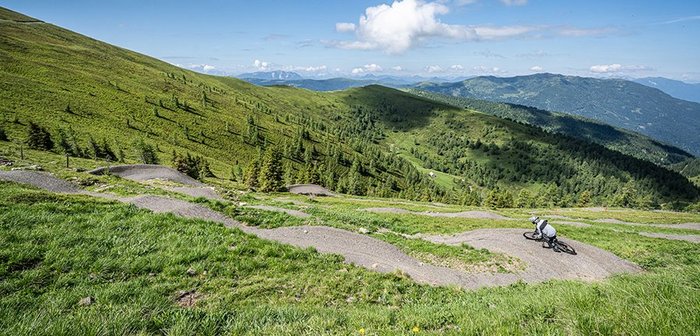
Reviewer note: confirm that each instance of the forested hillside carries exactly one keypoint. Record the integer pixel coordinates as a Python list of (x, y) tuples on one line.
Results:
[(616, 102), (623, 141), (67, 93)]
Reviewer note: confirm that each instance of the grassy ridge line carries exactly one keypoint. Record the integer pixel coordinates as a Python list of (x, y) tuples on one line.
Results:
[(59, 249)]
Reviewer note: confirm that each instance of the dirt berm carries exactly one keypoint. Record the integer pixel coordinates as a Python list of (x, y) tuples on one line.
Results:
[(144, 172)]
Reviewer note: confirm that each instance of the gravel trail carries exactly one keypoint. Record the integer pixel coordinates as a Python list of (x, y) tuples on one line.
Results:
[(688, 238), (590, 264), (144, 172), (309, 189)]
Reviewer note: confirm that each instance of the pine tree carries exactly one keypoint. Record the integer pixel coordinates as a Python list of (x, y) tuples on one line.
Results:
[(39, 137), (145, 152), (271, 173), (251, 173)]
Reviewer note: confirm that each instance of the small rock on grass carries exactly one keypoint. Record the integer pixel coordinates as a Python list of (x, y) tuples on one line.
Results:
[(86, 301)]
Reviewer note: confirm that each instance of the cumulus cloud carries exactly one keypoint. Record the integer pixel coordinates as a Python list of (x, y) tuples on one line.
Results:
[(367, 68), (536, 68), (514, 2), (320, 68), (397, 68), (617, 68), (345, 27), (434, 69), (201, 67), (261, 65), (488, 70), (398, 27), (457, 67)]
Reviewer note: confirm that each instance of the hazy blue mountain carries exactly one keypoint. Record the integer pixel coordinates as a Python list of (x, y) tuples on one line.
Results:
[(674, 88), (616, 102), (271, 75)]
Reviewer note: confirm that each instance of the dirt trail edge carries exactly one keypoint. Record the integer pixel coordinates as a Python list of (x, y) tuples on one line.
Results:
[(145, 172), (591, 263)]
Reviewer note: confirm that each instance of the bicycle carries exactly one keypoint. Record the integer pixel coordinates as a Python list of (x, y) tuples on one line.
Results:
[(563, 247)]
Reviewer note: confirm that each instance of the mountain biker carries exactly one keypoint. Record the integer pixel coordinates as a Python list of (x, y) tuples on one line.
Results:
[(546, 232)]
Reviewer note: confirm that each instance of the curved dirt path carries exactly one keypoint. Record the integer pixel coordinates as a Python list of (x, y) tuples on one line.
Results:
[(689, 226), (309, 189), (464, 214), (688, 238), (591, 263), (144, 172)]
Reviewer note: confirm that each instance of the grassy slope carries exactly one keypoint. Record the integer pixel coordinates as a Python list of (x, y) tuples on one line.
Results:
[(121, 96), (56, 250)]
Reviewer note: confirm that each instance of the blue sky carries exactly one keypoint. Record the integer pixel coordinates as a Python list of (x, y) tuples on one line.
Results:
[(447, 38)]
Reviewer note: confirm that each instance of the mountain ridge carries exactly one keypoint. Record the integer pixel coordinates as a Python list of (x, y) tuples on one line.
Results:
[(616, 102)]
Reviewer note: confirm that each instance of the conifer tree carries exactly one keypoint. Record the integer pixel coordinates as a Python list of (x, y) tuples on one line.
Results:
[(39, 137), (271, 173), (251, 173)]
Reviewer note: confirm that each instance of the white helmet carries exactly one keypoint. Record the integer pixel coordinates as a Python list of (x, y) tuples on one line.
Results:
[(533, 219)]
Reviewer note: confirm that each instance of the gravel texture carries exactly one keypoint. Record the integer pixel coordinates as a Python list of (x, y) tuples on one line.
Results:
[(309, 189), (40, 180), (591, 263), (688, 238), (143, 172)]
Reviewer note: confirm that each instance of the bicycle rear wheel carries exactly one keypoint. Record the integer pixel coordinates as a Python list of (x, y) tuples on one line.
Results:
[(530, 235), (564, 247)]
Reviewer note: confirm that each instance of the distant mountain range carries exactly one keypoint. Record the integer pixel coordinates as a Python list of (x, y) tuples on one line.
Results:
[(674, 88), (271, 75), (275, 78), (616, 102)]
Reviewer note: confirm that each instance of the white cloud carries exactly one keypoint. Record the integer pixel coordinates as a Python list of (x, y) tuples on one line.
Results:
[(201, 67), (617, 68), (434, 69), (345, 27), (488, 70), (367, 68), (397, 68), (514, 2), (261, 65), (536, 68), (457, 67), (320, 68), (405, 23)]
